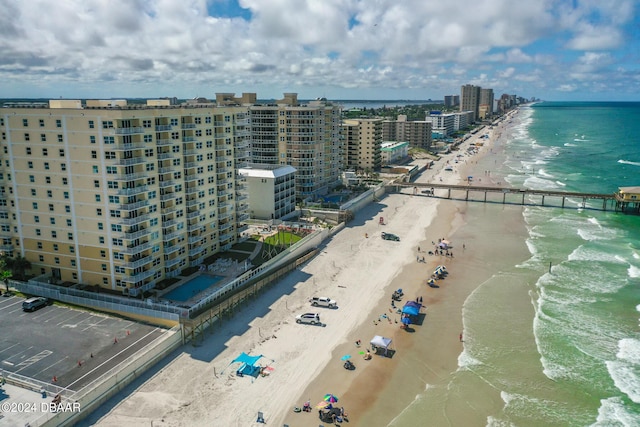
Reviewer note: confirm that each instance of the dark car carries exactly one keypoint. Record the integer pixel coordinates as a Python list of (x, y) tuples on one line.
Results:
[(389, 236), (33, 304)]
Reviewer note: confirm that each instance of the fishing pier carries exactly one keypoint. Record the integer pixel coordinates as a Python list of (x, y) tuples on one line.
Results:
[(627, 199)]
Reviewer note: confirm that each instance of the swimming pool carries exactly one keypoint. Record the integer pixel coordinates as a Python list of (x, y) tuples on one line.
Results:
[(191, 288)]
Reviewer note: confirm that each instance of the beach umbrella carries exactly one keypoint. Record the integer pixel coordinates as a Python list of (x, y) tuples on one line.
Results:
[(323, 404), (406, 321), (330, 398), (346, 357)]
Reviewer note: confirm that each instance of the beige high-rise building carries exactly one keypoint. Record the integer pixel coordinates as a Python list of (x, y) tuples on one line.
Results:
[(416, 132), (361, 142), (305, 136), (121, 196), (470, 100), (485, 107)]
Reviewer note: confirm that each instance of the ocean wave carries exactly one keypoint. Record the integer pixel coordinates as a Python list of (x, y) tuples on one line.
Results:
[(612, 412), (633, 271), (583, 253), (495, 422), (627, 162), (465, 360), (625, 377), (561, 184), (544, 173), (596, 234), (568, 144)]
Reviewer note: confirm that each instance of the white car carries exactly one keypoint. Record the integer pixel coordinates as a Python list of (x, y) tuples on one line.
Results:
[(312, 318), (323, 301)]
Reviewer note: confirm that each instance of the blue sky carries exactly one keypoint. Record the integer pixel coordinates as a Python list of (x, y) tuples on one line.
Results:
[(338, 49)]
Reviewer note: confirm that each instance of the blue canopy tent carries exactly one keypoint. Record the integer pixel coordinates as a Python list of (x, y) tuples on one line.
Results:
[(248, 366), (411, 308)]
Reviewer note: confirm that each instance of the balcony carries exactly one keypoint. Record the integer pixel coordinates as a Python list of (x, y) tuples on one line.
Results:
[(196, 251), (171, 249), (138, 277), (133, 206), (129, 146), (132, 191), (129, 131), (134, 221), (167, 196), (132, 235), (136, 249), (163, 128), (165, 184), (131, 161), (193, 202), (172, 262), (193, 214), (188, 126), (166, 155), (195, 239), (163, 142), (195, 227), (129, 176), (171, 236), (139, 263)]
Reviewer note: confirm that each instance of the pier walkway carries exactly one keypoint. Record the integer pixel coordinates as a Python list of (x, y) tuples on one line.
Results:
[(511, 195)]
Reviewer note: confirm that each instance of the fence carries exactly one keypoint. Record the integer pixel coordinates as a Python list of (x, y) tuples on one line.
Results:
[(148, 308)]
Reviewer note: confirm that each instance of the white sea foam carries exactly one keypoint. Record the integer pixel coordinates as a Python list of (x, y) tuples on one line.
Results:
[(562, 184), (568, 144), (544, 173), (633, 271), (465, 360), (629, 349), (627, 162), (612, 412), (625, 377), (495, 422), (585, 253)]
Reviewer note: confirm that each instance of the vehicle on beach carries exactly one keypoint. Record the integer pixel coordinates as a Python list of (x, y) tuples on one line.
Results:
[(389, 236), (323, 302), (449, 168), (311, 318)]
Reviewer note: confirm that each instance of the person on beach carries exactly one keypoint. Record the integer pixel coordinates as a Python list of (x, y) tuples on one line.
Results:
[(461, 337)]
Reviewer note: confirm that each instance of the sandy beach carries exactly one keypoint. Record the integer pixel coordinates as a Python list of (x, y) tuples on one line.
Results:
[(199, 387)]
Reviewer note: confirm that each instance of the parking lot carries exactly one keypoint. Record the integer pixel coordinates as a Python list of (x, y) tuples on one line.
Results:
[(66, 346)]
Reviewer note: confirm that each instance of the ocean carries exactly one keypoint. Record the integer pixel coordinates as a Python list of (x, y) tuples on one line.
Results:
[(557, 337)]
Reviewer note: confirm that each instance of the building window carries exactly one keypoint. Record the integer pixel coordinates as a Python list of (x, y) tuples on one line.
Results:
[(58, 123), (97, 197), (41, 258), (92, 139), (74, 276), (47, 179), (69, 223), (104, 267), (107, 124), (41, 123), (46, 165), (63, 166), (26, 137), (43, 137), (52, 221), (100, 226), (70, 236), (105, 281), (101, 240), (36, 218), (91, 124), (28, 150), (65, 194), (98, 212), (73, 263), (55, 247), (30, 165), (45, 152), (72, 249), (95, 169), (38, 232), (49, 193), (25, 122), (35, 206), (103, 254), (60, 139), (54, 234), (33, 192), (94, 154), (51, 207), (64, 181)]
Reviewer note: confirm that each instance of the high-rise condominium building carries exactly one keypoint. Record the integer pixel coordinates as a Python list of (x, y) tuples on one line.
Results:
[(305, 136), (485, 107), (470, 99), (121, 196), (362, 139), (416, 132)]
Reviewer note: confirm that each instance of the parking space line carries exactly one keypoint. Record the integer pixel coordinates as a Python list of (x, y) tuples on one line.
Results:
[(68, 319), (33, 359), (8, 348), (64, 359), (94, 324), (113, 357)]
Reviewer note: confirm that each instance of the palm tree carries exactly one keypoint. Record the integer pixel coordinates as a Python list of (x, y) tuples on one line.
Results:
[(5, 274)]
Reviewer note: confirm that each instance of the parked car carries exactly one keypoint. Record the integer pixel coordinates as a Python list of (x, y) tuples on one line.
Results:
[(323, 302), (33, 304), (389, 236), (312, 318)]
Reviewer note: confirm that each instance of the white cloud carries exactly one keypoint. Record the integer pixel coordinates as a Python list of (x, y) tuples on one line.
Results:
[(304, 45)]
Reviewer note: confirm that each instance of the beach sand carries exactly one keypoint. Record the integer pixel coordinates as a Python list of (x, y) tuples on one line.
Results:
[(199, 387)]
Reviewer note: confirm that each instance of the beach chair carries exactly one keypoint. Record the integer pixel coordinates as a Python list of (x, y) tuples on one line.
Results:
[(261, 418)]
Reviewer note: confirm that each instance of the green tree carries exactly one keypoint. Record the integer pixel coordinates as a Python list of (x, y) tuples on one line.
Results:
[(5, 274), (18, 266)]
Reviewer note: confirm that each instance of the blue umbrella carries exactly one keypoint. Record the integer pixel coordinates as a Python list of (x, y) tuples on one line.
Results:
[(346, 357), (406, 320)]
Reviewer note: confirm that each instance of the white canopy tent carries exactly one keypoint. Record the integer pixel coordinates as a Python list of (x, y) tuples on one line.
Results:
[(380, 342)]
